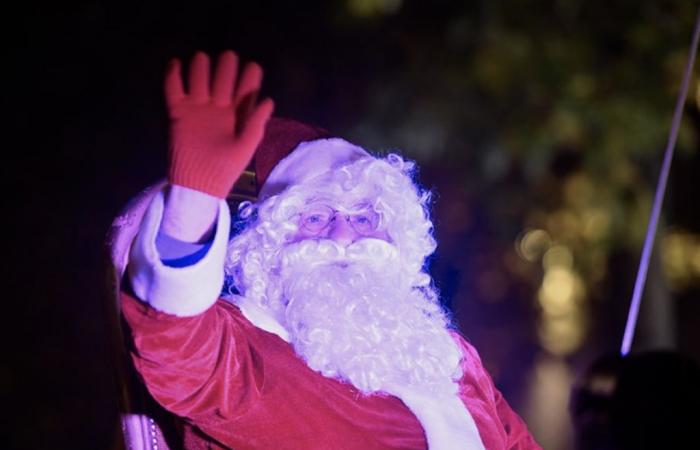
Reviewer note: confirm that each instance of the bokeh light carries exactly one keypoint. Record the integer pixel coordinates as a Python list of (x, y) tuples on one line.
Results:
[(561, 328), (373, 8), (596, 224), (680, 254), (533, 244), (558, 256)]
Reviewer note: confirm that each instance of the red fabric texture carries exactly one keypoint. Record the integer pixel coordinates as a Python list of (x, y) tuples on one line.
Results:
[(243, 388), (216, 125), (280, 138)]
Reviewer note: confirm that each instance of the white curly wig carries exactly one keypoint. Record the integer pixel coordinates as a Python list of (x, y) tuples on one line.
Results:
[(385, 182), (256, 264)]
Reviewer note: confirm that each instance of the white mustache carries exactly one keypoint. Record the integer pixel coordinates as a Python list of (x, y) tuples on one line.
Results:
[(312, 253)]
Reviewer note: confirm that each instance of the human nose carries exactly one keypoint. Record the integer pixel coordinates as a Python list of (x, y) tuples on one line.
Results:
[(341, 231)]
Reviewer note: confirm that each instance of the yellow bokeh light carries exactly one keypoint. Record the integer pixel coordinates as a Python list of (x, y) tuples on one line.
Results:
[(567, 126), (561, 329), (680, 254), (563, 225), (561, 289), (533, 244), (562, 335), (369, 8), (558, 256), (582, 85), (675, 248), (578, 190), (695, 261), (596, 222), (622, 172)]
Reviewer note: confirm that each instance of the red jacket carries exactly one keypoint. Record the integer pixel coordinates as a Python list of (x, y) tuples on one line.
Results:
[(245, 388)]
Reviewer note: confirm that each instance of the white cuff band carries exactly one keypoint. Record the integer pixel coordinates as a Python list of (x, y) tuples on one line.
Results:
[(181, 291)]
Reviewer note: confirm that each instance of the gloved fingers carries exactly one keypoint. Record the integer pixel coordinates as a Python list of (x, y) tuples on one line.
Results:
[(248, 88), (254, 127), (174, 90), (225, 78), (199, 77)]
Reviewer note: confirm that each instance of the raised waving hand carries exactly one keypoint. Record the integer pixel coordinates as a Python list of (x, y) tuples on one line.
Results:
[(216, 124)]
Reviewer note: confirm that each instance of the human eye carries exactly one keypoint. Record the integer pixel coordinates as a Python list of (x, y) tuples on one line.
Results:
[(316, 218), (365, 218), (365, 221)]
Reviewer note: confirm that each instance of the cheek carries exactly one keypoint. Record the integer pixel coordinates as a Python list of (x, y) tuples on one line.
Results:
[(383, 235)]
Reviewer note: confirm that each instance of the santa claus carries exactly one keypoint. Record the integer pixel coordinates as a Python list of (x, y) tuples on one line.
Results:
[(314, 326)]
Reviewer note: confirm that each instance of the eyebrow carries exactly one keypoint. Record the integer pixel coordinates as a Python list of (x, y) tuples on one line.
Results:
[(312, 200), (357, 207)]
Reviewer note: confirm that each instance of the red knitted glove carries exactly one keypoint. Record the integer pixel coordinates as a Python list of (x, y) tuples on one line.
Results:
[(215, 130)]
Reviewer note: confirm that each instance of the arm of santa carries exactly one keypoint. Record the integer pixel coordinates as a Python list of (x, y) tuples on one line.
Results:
[(215, 128), (189, 349), (180, 291), (196, 367)]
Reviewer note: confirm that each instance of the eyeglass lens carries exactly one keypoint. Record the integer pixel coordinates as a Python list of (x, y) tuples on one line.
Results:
[(318, 217)]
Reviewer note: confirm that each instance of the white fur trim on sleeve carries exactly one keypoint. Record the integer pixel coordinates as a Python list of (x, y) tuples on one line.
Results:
[(181, 291), (447, 423), (260, 317)]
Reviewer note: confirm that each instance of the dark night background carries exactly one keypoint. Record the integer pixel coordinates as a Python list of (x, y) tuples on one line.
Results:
[(545, 116)]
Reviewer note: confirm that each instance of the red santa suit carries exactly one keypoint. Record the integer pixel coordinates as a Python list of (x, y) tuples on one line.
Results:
[(227, 368)]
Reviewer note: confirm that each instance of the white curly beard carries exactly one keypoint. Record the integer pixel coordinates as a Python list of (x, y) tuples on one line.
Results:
[(352, 314)]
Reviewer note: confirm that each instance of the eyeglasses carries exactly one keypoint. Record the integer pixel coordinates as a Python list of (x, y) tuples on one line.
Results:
[(364, 220)]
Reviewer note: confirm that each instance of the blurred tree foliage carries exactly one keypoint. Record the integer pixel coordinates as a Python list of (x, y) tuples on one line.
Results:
[(554, 112)]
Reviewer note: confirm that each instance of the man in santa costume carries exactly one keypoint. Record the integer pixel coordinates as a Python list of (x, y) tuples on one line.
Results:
[(329, 333)]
